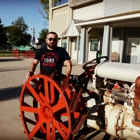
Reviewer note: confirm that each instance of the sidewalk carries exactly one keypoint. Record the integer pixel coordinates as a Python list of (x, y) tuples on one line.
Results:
[(13, 71)]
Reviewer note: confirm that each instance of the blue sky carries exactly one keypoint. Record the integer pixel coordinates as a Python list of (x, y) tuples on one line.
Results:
[(10, 10)]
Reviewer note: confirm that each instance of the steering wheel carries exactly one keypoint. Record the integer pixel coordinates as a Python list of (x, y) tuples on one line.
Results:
[(92, 63)]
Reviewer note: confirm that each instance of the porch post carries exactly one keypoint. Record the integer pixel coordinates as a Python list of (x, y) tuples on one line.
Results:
[(68, 50), (105, 45), (110, 42), (61, 41), (77, 48), (83, 47)]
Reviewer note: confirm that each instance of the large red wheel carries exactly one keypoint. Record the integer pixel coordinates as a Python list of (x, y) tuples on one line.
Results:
[(41, 112)]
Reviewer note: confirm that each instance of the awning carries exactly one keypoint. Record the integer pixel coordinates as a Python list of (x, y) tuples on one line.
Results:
[(22, 48)]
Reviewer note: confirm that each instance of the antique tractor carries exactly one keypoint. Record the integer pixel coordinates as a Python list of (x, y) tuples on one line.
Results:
[(112, 105)]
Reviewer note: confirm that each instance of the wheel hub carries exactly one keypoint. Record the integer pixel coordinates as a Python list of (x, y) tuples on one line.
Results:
[(47, 113)]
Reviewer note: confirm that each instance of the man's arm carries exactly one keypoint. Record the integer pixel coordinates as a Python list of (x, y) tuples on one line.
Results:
[(69, 67), (32, 68)]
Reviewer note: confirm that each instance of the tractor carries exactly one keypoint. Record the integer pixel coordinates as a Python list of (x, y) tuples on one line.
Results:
[(105, 97)]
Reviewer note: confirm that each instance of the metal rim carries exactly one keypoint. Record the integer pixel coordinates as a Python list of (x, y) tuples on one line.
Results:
[(44, 115)]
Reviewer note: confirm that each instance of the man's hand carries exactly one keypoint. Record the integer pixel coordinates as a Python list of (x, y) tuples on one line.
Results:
[(69, 67), (32, 68), (29, 74)]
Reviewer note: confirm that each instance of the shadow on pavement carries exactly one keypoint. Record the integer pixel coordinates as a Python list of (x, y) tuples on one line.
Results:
[(10, 93), (10, 59)]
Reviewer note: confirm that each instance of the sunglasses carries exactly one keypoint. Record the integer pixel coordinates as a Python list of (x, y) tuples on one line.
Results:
[(50, 39)]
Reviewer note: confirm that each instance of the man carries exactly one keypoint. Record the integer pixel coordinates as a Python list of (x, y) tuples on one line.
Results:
[(51, 58)]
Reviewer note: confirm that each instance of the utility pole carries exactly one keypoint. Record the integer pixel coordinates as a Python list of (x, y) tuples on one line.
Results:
[(33, 36), (33, 41)]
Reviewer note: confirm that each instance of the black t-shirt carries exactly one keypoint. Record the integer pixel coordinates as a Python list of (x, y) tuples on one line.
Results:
[(51, 60)]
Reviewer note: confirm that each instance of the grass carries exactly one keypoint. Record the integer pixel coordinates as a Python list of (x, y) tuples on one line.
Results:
[(6, 53)]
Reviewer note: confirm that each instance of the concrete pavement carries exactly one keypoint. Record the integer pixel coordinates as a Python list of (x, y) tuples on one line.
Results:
[(12, 77)]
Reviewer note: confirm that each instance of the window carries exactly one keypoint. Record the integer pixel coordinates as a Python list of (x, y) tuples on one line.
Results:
[(64, 45), (94, 44), (60, 2), (115, 39), (133, 45)]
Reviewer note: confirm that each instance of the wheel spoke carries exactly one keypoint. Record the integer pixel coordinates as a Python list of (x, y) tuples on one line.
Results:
[(60, 105), (36, 128), (42, 97), (28, 92), (53, 133), (51, 93), (46, 90), (48, 136), (59, 128), (64, 127), (35, 94), (35, 81), (30, 109)]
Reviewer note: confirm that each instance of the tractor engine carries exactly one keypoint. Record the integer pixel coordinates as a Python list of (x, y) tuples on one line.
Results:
[(118, 110)]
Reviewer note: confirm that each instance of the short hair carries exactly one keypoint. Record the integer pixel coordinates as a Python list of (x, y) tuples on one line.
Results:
[(53, 33)]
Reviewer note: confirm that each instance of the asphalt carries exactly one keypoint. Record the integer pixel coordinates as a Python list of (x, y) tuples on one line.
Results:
[(12, 78)]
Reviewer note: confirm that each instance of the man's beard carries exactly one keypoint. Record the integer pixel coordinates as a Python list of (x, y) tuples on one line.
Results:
[(52, 46)]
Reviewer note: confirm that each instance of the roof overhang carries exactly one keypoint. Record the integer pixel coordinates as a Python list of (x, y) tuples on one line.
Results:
[(110, 19), (77, 3)]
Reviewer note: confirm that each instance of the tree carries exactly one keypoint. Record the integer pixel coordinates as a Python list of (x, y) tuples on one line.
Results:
[(43, 34), (20, 23), (3, 37), (17, 34), (45, 5)]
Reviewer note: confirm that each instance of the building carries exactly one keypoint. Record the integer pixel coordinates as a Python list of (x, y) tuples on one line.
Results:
[(85, 26)]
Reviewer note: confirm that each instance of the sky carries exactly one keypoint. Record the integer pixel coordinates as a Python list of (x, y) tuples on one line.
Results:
[(10, 10)]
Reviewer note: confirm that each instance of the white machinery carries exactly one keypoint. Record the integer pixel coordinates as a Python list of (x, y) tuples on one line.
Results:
[(118, 85)]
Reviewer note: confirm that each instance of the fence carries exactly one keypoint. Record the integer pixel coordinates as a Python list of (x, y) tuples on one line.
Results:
[(26, 54), (7, 50)]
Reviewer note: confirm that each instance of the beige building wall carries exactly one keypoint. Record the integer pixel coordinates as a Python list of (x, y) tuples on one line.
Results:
[(89, 11), (60, 19)]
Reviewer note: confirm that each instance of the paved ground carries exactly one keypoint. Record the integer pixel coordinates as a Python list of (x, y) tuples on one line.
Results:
[(12, 77)]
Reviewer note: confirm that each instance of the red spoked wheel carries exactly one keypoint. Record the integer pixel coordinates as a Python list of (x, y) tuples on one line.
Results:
[(44, 109)]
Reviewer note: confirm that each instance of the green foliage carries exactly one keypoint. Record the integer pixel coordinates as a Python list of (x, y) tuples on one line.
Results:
[(20, 23), (43, 34), (55, 2), (3, 37), (17, 34), (45, 5)]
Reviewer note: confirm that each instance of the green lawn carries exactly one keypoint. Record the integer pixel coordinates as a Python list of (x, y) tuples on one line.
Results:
[(5, 53)]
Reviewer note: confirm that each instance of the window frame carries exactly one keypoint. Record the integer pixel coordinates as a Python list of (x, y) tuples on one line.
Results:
[(91, 44), (136, 49)]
